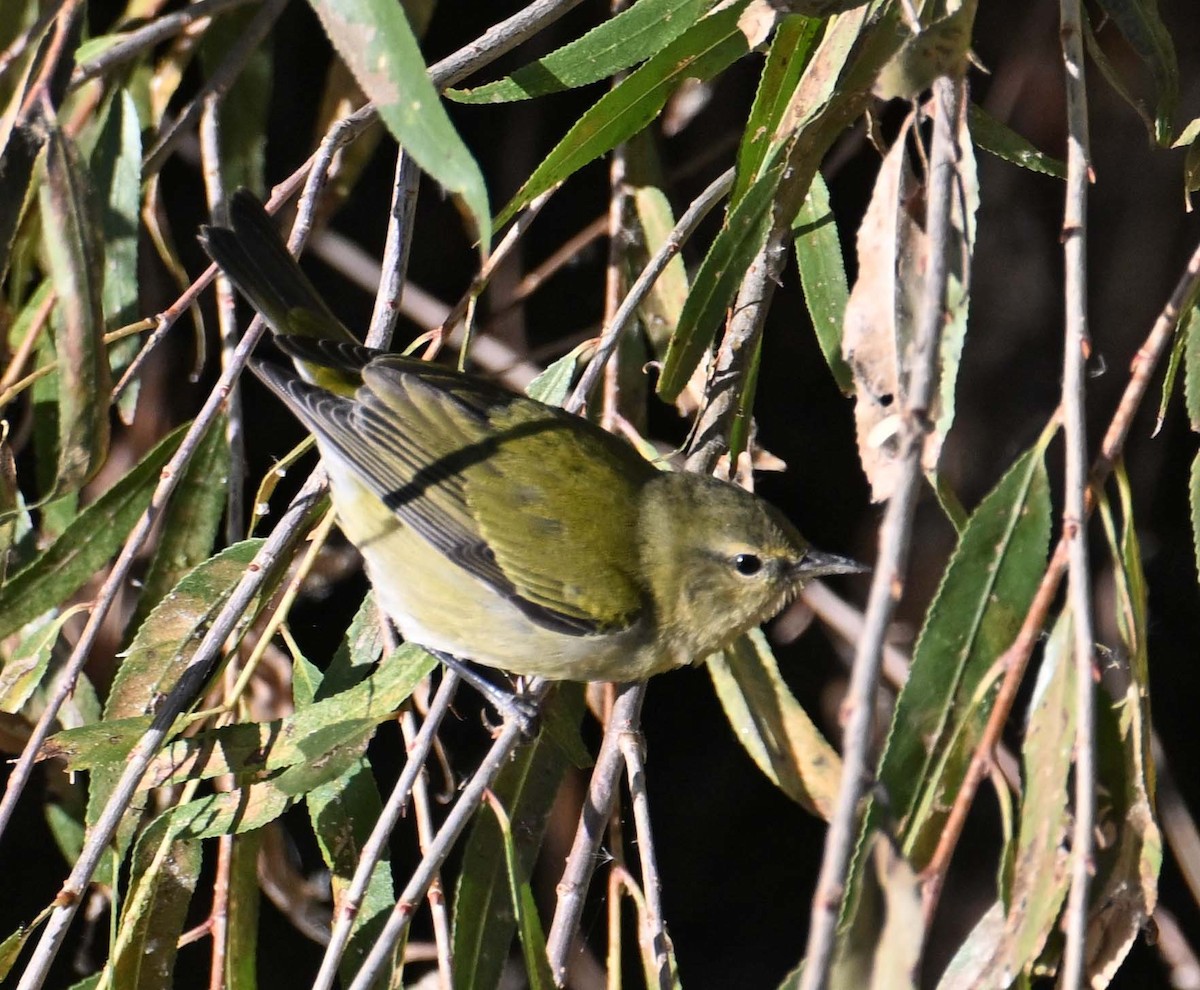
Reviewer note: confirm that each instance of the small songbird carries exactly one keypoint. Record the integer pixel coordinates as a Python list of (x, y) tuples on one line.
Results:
[(504, 531)]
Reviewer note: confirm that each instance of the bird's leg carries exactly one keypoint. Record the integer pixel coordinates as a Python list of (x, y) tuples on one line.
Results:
[(509, 704)]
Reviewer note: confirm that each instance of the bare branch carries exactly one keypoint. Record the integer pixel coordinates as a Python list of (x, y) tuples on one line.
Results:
[(377, 842), (1076, 346), (895, 534)]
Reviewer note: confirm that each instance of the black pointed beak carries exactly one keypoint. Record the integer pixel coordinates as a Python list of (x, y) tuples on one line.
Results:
[(818, 564)]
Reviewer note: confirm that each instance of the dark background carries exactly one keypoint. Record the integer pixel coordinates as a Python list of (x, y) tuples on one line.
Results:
[(738, 859)]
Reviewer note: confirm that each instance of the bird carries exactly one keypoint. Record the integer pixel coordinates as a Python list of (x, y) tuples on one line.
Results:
[(502, 531)]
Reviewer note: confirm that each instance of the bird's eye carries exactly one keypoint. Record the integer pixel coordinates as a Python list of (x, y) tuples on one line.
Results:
[(747, 564)]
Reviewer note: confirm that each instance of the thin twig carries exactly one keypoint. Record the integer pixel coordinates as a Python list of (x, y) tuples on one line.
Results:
[(895, 535), (435, 895), (216, 85), (465, 303), (1079, 585), (581, 861), (842, 618), (394, 267), (1177, 954), (700, 208), (235, 497), (562, 256), (312, 175), (454, 825), (738, 353), (1178, 825), (235, 427), (497, 40), (656, 929), (149, 35), (373, 849)]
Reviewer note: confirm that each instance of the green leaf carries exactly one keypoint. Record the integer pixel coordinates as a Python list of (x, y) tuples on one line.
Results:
[(27, 665), (328, 729), (884, 948), (115, 164), (1191, 163), (1148, 36), (704, 50), (160, 891), (1178, 346), (243, 111), (1194, 499), (86, 545), (660, 310), (986, 590), (71, 233), (938, 46), (823, 277), (10, 948), (775, 730), (166, 641), (484, 913), (1041, 864), (1189, 329), (329, 752), (553, 385), (242, 949), (999, 139), (716, 281), (191, 520), (533, 939), (374, 39), (789, 54), (625, 39), (1128, 864), (245, 746), (224, 813)]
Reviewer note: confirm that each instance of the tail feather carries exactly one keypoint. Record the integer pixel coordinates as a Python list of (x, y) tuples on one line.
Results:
[(255, 258)]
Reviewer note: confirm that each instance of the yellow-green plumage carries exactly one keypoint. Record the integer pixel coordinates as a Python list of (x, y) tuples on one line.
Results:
[(499, 529)]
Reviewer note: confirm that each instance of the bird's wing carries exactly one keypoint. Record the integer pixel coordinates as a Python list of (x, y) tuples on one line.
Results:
[(521, 500)]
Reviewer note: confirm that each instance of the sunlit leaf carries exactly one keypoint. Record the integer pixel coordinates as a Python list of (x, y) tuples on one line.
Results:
[(716, 282), (773, 727), (938, 46), (707, 48), (998, 139), (628, 37), (823, 277), (173, 630), (71, 234), (161, 887), (1041, 864), (374, 38), (86, 545)]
